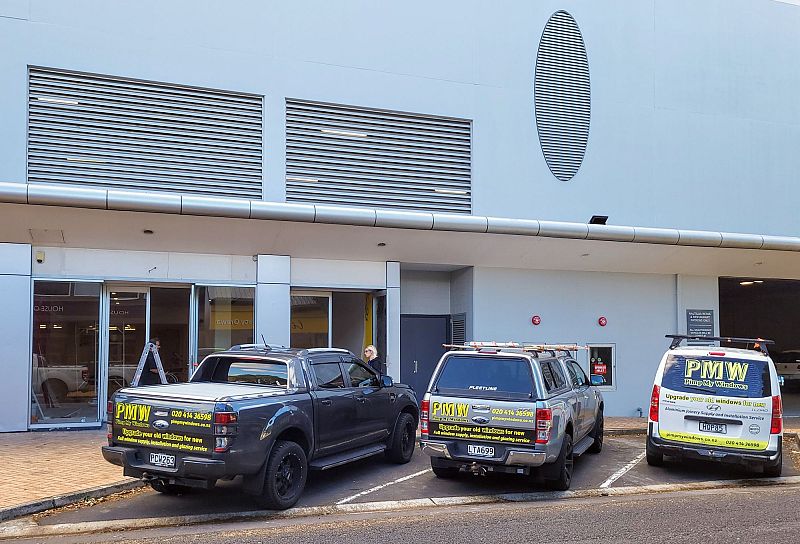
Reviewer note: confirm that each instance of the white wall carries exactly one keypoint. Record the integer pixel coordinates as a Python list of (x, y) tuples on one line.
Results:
[(424, 292), (15, 334), (640, 309), (273, 300), (462, 297), (348, 321), (688, 96)]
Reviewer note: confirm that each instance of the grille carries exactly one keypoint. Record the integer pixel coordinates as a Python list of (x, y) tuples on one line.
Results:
[(562, 95), (338, 154), (102, 131)]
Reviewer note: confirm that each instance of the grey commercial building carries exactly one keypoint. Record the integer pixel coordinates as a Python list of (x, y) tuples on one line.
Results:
[(404, 175)]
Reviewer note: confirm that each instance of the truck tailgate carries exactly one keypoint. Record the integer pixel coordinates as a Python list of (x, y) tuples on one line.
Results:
[(163, 424), (482, 419)]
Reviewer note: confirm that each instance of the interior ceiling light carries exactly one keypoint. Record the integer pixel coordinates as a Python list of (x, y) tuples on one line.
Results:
[(758, 281), (746, 282), (344, 133)]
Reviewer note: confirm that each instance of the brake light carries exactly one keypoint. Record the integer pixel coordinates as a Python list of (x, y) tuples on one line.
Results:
[(544, 423), (424, 416), (109, 419), (719, 353), (777, 416), (654, 403), (226, 427)]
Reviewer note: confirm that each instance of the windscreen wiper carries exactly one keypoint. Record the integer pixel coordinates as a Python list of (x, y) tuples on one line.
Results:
[(701, 389)]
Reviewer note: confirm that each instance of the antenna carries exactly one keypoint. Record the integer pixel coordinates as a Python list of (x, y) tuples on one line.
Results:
[(266, 346)]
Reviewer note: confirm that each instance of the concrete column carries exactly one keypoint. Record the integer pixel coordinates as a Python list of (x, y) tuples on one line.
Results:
[(15, 336), (273, 302), (393, 320), (696, 293)]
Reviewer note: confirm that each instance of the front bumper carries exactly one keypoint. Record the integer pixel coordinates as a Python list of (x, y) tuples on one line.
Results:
[(512, 457), (188, 470)]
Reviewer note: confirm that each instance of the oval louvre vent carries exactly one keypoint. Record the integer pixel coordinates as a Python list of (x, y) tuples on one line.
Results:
[(561, 95)]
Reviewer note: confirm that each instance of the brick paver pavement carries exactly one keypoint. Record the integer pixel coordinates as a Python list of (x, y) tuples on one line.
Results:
[(38, 465)]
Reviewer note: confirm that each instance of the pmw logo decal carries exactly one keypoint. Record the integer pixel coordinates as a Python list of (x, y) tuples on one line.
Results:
[(132, 412)]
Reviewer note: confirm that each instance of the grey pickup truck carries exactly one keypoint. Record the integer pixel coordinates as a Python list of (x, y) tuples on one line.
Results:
[(512, 408), (268, 413)]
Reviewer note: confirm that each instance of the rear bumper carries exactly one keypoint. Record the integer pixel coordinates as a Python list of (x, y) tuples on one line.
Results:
[(709, 453), (186, 470), (512, 457)]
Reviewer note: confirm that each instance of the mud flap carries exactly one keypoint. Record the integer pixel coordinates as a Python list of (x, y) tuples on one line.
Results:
[(253, 484)]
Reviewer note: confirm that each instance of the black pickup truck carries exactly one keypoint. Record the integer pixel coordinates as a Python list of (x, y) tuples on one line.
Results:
[(268, 413)]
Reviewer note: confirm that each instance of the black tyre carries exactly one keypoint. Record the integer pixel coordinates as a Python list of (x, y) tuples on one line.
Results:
[(167, 488), (597, 434), (564, 466), (401, 443), (654, 457), (445, 473), (285, 476), (774, 470)]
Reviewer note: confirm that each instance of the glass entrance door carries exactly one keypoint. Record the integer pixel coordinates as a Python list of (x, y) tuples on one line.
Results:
[(128, 325), (311, 319)]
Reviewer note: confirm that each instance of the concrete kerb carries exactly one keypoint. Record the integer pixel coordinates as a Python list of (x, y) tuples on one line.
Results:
[(58, 501), (27, 528)]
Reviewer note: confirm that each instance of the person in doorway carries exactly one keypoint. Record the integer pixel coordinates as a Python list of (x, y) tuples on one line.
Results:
[(372, 359), (150, 371)]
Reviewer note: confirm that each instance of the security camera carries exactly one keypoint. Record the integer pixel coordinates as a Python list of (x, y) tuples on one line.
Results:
[(40, 257)]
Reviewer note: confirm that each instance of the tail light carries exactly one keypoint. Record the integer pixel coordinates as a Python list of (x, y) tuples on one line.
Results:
[(109, 420), (654, 403), (424, 416), (226, 427), (544, 423), (777, 416)]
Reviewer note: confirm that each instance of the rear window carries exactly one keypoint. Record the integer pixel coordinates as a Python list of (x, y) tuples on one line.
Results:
[(487, 377), (719, 376), (248, 371)]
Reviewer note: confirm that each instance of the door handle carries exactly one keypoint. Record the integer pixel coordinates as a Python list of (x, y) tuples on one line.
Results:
[(362, 400), (392, 397), (325, 402), (415, 367)]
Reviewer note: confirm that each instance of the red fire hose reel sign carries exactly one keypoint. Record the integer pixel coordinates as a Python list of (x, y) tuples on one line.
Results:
[(599, 368)]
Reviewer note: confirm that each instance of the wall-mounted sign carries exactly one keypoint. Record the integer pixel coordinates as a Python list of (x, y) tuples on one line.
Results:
[(699, 323)]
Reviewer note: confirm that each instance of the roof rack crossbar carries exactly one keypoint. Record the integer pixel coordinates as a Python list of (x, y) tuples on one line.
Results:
[(516, 347), (758, 343)]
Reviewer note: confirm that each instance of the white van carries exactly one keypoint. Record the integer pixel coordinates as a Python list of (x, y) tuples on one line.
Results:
[(717, 404)]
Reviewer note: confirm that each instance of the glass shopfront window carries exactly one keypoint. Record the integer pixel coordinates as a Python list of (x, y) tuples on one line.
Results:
[(65, 357), (310, 320), (225, 317)]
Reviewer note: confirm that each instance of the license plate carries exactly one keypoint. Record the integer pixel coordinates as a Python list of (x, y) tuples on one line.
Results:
[(719, 428), (482, 451), (162, 460)]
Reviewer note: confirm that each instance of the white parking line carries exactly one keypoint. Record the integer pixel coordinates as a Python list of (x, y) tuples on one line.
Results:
[(621, 472), (379, 487)]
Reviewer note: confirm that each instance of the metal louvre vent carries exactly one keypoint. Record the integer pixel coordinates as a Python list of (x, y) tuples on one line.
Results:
[(355, 156), (458, 328), (562, 95), (102, 131)]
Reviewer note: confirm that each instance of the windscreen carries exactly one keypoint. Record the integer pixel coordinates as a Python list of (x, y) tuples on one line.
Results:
[(490, 377), (718, 376), (245, 370)]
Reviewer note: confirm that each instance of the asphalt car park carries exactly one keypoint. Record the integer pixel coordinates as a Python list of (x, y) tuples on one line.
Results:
[(621, 463)]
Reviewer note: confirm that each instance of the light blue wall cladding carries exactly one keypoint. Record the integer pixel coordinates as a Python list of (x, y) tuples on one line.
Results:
[(693, 102)]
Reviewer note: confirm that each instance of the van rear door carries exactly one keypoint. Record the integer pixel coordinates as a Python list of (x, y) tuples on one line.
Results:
[(484, 399), (716, 400)]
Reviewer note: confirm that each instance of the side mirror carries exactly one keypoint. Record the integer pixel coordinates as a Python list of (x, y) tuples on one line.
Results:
[(386, 381), (781, 381), (597, 379)]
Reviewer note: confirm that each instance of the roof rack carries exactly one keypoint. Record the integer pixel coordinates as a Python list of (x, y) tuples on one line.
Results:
[(515, 347), (256, 347), (758, 343)]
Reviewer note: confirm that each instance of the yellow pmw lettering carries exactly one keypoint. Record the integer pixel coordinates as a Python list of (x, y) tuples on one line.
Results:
[(132, 412), (712, 369), (716, 370), (736, 371), (450, 409)]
